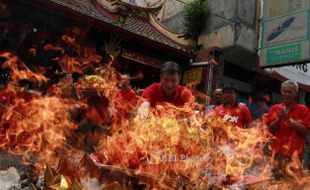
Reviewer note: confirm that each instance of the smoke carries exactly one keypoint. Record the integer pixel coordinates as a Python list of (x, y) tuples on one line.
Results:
[(91, 183), (9, 178)]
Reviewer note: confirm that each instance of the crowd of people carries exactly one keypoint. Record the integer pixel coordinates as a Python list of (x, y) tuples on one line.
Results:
[(288, 121)]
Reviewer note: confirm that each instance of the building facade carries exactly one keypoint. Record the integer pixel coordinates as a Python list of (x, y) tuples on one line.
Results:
[(234, 28)]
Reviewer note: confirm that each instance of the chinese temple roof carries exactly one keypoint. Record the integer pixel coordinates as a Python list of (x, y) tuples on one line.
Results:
[(140, 21)]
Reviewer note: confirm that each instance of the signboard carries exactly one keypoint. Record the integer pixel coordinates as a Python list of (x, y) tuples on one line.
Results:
[(274, 8), (285, 29), (299, 73), (140, 58), (285, 35), (192, 75)]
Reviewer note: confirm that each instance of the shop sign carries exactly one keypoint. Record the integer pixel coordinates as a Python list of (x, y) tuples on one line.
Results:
[(140, 58), (284, 54), (284, 35), (192, 75)]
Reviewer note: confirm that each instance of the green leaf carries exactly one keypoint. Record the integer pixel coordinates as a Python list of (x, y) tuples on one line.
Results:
[(195, 16)]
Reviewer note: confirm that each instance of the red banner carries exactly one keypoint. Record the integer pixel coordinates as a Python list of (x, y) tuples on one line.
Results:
[(144, 59)]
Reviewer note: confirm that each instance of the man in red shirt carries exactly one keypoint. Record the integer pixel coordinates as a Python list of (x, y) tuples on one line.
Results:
[(126, 92), (126, 99), (231, 112), (168, 90), (289, 122), (217, 100)]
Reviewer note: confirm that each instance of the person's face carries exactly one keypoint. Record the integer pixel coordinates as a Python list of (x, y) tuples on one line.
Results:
[(288, 94), (218, 96), (230, 96), (169, 82), (124, 84)]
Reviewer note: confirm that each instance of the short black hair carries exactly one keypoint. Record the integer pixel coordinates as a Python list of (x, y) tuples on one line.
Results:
[(171, 67), (229, 89)]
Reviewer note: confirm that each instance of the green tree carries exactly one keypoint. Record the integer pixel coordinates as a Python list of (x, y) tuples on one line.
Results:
[(195, 16)]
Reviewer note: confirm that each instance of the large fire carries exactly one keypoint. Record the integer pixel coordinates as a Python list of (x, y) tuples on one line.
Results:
[(37, 129), (174, 145), (174, 148), (19, 71)]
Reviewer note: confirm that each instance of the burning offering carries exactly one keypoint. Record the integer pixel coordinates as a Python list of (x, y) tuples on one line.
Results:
[(68, 121)]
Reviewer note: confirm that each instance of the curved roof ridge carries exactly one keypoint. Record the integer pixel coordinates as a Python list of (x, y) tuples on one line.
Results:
[(147, 26), (175, 36), (140, 8)]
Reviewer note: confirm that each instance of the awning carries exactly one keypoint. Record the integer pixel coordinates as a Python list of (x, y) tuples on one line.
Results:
[(299, 73)]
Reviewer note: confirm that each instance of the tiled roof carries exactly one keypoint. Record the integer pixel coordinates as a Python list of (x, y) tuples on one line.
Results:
[(86, 7), (131, 24), (145, 29)]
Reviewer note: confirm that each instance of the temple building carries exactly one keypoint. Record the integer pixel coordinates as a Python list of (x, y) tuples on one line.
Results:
[(133, 34)]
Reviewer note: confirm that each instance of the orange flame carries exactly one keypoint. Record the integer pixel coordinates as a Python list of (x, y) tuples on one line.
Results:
[(173, 143), (19, 71), (71, 42), (52, 47), (173, 146), (38, 132), (86, 56)]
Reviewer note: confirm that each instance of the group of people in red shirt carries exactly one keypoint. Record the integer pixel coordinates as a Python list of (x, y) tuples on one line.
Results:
[(169, 90), (288, 121)]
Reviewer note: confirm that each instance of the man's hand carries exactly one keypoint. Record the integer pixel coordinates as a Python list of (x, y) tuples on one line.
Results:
[(274, 124), (283, 113), (301, 128), (143, 111)]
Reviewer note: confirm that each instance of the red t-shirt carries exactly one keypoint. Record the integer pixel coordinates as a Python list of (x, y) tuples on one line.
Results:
[(287, 138), (154, 94), (128, 95), (125, 101), (239, 115)]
